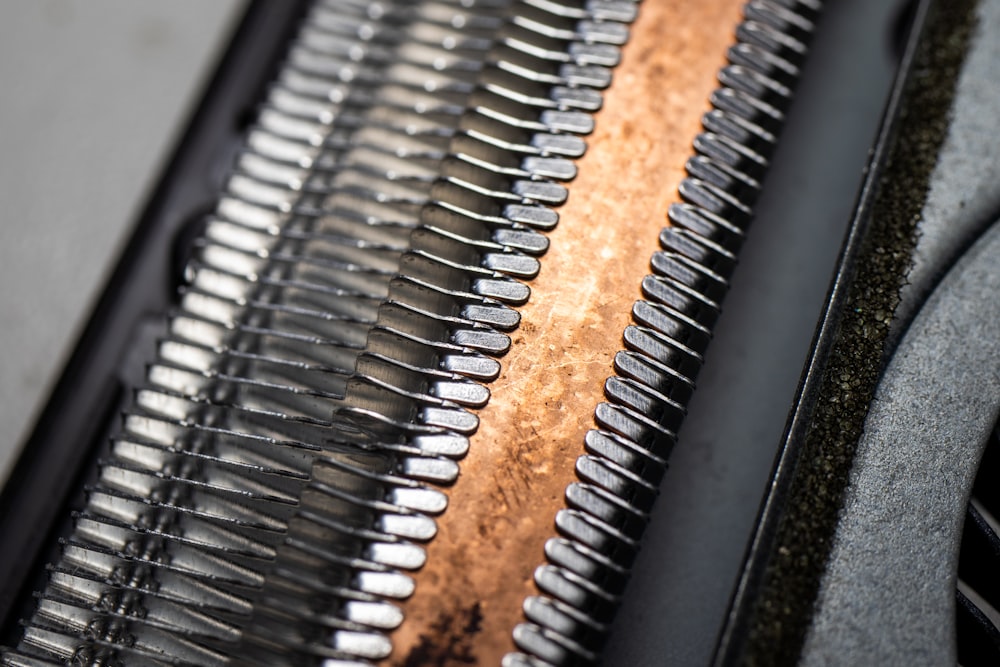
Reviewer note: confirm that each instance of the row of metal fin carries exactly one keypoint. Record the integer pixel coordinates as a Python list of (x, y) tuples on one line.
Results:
[(626, 455), (272, 481)]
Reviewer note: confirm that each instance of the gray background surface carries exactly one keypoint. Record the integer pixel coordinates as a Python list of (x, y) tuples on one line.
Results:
[(94, 94)]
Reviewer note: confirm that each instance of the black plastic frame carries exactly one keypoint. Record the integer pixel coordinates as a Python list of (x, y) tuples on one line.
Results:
[(734, 644)]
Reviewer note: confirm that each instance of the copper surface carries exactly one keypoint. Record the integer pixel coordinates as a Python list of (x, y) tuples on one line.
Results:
[(479, 568)]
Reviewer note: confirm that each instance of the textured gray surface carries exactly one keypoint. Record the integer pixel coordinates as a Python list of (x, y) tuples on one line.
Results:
[(964, 198), (95, 92), (693, 549), (888, 596)]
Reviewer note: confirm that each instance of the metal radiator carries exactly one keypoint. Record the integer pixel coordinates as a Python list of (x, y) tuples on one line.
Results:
[(446, 338)]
